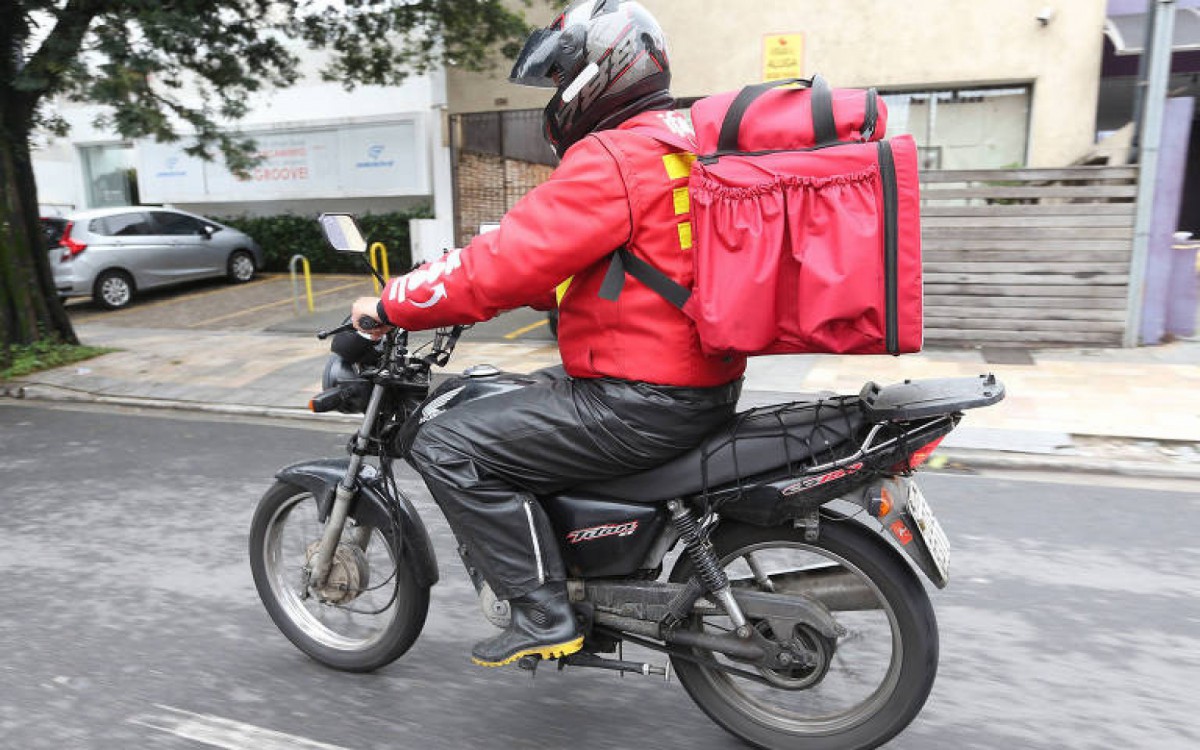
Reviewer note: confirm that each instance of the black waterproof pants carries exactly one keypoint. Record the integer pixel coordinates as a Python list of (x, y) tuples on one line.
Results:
[(486, 461)]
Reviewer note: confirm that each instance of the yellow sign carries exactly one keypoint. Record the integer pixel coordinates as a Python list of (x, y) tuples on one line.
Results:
[(783, 56)]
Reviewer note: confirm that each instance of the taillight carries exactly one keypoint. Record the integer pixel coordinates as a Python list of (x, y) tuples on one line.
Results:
[(918, 457), (71, 247)]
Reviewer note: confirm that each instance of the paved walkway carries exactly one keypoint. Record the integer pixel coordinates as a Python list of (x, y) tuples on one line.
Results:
[(1086, 408)]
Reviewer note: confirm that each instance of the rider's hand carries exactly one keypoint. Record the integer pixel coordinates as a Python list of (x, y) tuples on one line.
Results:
[(368, 307)]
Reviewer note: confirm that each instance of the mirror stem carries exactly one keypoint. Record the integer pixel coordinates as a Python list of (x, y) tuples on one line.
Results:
[(378, 277)]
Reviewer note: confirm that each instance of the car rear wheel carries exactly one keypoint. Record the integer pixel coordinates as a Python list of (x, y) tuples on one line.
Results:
[(241, 267), (113, 290)]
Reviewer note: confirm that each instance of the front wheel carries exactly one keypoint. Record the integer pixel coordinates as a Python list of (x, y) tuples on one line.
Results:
[(370, 610), (861, 688)]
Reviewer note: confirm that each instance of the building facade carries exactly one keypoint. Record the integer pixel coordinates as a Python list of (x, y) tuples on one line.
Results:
[(984, 83), (323, 148), (980, 84)]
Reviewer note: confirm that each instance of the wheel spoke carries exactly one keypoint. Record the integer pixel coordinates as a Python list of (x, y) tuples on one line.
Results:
[(854, 677), (352, 624)]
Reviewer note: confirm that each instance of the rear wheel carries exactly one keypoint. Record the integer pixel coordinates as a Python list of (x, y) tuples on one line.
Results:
[(371, 609), (241, 267), (864, 686), (113, 290)]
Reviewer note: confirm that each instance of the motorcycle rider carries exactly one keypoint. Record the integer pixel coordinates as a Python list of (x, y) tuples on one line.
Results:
[(637, 389)]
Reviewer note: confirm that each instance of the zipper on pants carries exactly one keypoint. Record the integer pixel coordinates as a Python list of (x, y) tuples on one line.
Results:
[(537, 547)]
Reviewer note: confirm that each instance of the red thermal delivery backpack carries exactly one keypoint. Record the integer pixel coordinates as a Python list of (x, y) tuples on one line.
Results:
[(805, 225)]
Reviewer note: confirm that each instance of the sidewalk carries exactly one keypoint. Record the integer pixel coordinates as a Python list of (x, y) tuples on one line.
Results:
[(1109, 410)]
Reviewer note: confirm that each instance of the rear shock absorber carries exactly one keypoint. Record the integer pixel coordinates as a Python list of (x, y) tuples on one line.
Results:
[(708, 568)]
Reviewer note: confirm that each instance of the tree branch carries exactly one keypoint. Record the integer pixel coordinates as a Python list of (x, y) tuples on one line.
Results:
[(45, 71)]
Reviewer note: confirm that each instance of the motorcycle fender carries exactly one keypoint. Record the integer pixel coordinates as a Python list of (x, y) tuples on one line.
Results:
[(322, 476), (924, 545)]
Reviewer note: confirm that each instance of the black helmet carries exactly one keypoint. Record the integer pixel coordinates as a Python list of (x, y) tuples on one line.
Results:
[(608, 61)]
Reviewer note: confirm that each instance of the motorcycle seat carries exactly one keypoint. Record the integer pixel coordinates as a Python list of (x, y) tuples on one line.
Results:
[(755, 442)]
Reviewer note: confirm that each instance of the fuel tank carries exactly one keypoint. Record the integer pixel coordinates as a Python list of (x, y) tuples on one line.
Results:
[(475, 383)]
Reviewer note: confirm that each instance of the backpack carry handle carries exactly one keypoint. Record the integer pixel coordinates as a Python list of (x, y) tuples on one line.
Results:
[(824, 125)]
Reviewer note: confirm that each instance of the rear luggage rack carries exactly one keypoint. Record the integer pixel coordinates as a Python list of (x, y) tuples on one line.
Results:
[(840, 443), (916, 399)]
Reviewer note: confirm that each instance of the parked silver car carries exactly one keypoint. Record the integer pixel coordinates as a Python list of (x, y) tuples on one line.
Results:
[(110, 254)]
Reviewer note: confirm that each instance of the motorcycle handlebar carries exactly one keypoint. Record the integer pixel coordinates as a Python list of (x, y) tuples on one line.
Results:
[(322, 335), (365, 323)]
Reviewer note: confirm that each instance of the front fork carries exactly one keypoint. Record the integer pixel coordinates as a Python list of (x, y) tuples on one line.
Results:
[(322, 561)]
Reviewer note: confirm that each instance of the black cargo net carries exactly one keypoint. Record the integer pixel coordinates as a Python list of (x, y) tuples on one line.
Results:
[(782, 440)]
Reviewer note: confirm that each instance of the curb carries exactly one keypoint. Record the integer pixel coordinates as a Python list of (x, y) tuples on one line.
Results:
[(65, 395), (955, 459), (963, 458)]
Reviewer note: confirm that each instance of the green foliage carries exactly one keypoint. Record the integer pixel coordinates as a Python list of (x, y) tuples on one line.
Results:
[(191, 67), (287, 235), (188, 70), (22, 359)]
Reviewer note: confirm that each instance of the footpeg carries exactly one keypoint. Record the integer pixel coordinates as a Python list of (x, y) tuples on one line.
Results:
[(581, 659), (529, 663)]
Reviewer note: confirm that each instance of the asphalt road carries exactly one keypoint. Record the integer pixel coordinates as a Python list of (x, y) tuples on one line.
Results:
[(130, 619)]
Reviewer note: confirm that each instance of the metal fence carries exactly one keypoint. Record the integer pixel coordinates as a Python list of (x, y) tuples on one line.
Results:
[(515, 134)]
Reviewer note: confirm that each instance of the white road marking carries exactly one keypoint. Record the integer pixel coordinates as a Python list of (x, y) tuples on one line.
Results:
[(224, 733)]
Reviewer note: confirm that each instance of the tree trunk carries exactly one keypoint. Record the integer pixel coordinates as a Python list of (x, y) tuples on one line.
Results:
[(29, 306)]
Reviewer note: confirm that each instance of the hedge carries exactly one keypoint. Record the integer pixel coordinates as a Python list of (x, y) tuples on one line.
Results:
[(287, 235)]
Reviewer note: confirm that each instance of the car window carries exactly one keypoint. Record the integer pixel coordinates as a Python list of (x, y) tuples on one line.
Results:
[(122, 225), (177, 224)]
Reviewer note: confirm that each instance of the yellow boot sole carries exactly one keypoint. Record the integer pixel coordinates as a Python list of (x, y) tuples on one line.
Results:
[(556, 651)]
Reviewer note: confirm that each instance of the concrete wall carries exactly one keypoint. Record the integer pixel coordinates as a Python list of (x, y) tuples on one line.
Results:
[(717, 45)]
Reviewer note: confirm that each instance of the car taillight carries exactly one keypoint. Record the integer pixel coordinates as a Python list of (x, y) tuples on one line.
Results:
[(71, 247), (918, 457)]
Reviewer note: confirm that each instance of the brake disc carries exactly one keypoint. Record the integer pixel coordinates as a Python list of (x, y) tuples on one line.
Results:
[(349, 574)]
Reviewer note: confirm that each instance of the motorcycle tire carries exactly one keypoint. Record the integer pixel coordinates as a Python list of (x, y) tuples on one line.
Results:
[(903, 609), (304, 619)]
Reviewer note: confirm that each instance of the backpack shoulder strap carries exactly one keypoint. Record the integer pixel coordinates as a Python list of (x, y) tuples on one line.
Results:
[(624, 262)]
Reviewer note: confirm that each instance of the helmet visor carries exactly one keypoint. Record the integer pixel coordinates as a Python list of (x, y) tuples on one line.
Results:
[(536, 59)]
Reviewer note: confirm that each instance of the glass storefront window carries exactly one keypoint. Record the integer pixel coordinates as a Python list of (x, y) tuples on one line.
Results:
[(110, 175), (964, 128)]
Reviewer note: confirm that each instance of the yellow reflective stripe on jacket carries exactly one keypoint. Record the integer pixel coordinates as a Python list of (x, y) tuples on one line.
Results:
[(560, 291)]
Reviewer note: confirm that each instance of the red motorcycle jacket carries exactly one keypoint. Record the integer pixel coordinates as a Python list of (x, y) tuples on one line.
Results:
[(612, 189)]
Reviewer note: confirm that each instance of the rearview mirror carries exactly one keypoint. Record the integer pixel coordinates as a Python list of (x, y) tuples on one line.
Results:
[(342, 233)]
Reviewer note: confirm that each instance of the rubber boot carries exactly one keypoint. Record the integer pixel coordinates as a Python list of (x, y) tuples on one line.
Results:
[(543, 624)]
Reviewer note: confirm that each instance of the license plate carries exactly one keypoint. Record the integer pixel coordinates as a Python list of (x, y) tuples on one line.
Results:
[(930, 530)]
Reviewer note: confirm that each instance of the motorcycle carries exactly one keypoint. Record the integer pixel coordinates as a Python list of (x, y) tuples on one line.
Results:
[(787, 619)]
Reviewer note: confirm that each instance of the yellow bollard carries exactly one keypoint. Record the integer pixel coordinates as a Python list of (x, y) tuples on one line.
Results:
[(307, 282), (375, 264)]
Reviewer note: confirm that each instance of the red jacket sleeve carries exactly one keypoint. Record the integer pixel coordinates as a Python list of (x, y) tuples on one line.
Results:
[(574, 219)]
